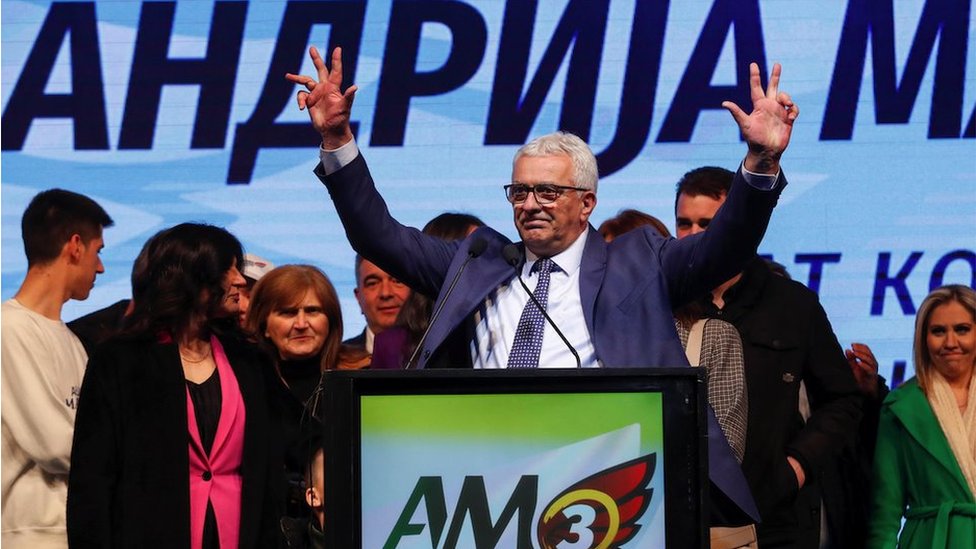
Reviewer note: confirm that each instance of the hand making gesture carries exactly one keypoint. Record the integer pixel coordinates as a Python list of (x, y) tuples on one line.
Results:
[(768, 127), (864, 367), (327, 105)]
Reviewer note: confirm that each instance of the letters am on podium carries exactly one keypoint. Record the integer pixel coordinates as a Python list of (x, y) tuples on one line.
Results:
[(541, 459)]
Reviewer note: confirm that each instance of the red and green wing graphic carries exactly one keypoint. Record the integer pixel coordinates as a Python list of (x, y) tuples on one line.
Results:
[(602, 509)]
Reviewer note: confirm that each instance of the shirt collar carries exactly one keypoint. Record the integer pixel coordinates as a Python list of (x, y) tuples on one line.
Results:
[(569, 260), (368, 342)]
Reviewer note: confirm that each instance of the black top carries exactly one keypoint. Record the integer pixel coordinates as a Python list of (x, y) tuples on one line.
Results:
[(206, 399), (302, 376)]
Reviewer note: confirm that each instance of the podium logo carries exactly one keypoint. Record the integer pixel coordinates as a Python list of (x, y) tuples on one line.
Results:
[(598, 512)]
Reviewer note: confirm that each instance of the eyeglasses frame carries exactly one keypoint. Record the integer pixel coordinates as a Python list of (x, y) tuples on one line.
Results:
[(532, 189)]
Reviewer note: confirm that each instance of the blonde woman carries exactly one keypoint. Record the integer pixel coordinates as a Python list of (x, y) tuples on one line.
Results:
[(925, 462)]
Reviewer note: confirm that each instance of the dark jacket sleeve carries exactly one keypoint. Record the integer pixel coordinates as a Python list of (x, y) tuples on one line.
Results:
[(696, 264), (419, 260), (94, 475), (834, 397)]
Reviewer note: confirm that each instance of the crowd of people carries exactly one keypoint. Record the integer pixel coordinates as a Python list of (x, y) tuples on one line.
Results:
[(187, 416)]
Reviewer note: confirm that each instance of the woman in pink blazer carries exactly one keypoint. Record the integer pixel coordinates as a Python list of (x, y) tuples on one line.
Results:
[(173, 443)]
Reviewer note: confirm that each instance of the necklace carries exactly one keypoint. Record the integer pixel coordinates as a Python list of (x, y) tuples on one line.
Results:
[(192, 360)]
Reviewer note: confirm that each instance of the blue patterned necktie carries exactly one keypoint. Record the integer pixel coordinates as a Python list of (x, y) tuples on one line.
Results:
[(532, 324)]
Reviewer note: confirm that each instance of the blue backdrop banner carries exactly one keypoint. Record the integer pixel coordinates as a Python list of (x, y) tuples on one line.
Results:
[(167, 112)]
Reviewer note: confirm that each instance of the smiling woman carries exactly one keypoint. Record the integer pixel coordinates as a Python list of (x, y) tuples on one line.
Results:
[(173, 424)]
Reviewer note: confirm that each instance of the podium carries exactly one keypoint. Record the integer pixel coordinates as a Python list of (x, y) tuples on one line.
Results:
[(545, 459)]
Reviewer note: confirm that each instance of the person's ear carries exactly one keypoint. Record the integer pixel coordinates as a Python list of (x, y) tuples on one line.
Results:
[(589, 202), (312, 498), (74, 248)]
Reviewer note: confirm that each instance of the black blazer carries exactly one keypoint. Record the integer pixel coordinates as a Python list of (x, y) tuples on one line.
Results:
[(100, 325), (128, 485), (786, 338), (357, 340)]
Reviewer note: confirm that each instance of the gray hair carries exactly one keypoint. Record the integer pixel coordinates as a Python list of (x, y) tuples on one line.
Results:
[(564, 143)]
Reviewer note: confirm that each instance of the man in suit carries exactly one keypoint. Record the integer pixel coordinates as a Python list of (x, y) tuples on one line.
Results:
[(380, 297), (786, 340), (624, 290)]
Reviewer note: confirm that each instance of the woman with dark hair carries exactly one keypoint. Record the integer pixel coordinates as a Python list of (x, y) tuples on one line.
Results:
[(173, 443), (925, 458), (392, 348)]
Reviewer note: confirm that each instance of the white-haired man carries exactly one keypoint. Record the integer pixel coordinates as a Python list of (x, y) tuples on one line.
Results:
[(623, 291)]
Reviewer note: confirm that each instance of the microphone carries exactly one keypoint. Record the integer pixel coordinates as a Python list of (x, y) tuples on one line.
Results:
[(512, 255), (477, 247)]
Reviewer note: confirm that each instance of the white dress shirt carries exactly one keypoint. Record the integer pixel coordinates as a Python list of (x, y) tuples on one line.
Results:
[(498, 318)]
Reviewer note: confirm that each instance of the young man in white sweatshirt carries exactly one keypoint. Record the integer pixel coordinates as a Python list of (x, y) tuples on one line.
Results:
[(43, 364)]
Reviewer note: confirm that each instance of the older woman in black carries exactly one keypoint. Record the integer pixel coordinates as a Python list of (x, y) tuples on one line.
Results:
[(295, 317), (173, 438)]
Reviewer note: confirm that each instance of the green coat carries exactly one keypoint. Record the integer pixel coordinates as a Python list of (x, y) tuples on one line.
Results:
[(917, 477)]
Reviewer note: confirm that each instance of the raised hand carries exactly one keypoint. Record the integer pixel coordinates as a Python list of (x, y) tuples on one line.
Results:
[(865, 368), (768, 127), (327, 105)]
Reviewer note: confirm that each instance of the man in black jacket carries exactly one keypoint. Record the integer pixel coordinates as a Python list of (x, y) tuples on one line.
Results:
[(786, 340)]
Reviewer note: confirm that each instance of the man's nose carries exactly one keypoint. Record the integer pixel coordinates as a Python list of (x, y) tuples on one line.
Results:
[(101, 267), (530, 203), (386, 288), (696, 228)]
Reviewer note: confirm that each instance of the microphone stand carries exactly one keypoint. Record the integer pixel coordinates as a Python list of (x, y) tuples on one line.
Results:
[(478, 247)]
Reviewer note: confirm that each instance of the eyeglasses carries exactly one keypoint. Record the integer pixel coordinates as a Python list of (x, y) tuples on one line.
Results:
[(546, 193)]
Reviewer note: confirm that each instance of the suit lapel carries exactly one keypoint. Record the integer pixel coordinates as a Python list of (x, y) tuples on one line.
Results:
[(164, 359), (914, 412), (593, 267), (482, 275), (230, 396), (247, 369)]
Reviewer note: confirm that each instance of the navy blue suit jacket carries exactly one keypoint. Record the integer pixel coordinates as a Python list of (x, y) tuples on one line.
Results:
[(628, 287)]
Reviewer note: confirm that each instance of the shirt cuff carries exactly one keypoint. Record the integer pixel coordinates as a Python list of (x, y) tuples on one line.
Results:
[(336, 159), (761, 181)]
